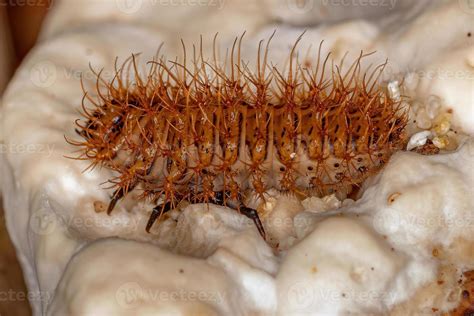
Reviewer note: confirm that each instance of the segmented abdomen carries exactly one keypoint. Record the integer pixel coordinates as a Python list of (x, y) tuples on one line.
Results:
[(187, 132)]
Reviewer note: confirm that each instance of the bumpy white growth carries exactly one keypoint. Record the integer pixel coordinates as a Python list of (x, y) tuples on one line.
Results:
[(451, 77), (149, 281), (343, 266), (377, 257), (444, 214), (424, 206)]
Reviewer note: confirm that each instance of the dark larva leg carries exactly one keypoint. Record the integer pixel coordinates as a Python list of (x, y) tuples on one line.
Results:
[(156, 213), (249, 212), (253, 215), (117, 195), (166, 207), (219, 198)]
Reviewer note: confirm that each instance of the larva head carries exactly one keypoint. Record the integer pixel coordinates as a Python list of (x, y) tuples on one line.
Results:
[(187, 131)]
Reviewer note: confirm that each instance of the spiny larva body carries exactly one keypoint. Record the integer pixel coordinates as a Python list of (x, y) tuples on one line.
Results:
[(188, 132)]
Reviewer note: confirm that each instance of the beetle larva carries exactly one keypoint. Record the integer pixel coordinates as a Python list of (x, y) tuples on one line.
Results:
[(208, 132)]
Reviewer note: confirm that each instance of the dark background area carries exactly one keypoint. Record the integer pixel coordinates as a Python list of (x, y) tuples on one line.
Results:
[(24, 22), (25, 18)]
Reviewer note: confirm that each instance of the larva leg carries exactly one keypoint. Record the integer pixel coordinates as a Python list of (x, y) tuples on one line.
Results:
[(156, 213), (166, 207), (117, 195), (249, 212), (219, 198), (253, 215)]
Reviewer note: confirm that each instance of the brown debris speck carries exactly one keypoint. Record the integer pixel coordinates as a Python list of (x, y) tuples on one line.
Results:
[(427, 149), (393, 197), (99, 206)]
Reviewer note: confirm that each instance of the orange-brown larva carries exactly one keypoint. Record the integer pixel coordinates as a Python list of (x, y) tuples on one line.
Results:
[(209, 131)]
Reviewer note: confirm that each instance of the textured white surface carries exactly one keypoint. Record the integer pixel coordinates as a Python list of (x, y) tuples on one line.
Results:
[(340, 267), (451, 77), (132, 278), (415, 205)]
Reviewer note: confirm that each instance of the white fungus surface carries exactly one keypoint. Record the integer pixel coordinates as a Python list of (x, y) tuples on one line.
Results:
[(342, 266), (382, 254)]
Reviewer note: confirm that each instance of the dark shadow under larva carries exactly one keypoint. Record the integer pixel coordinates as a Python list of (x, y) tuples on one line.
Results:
[(206, 131)]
